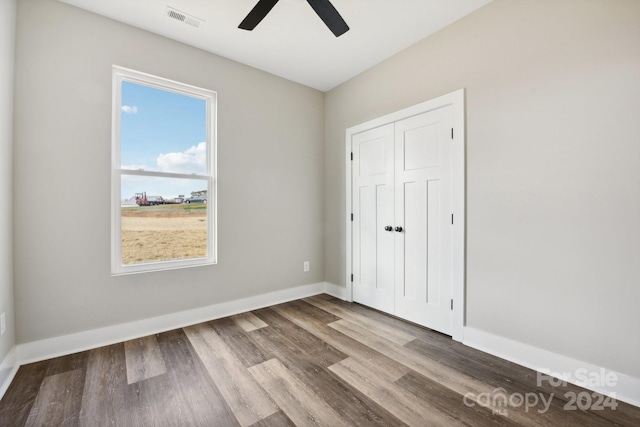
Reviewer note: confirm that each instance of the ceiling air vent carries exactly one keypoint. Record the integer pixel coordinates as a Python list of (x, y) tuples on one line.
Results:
[(183, 17)]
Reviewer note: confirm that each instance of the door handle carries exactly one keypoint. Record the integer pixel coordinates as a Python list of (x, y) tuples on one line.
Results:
[(388, 227), (399, 229)]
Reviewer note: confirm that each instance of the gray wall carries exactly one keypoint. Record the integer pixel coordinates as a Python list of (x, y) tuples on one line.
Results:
[(270, 151), (553, 150), (7, 46)]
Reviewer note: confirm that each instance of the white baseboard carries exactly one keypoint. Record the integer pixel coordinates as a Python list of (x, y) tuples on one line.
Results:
[(68, 344), (8, 369), (623, 387), (339, 292)]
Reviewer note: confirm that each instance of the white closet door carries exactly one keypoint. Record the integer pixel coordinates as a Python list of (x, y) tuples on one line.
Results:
[(372, 193), (423, 207)]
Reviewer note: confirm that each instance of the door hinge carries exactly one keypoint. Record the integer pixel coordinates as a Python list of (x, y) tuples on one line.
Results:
[(451, 219), (352, 156), (451, 133), (352, 277), (351, 217), (452, 304)]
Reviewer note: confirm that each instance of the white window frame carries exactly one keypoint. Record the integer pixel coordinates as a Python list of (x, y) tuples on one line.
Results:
[(120, 74)]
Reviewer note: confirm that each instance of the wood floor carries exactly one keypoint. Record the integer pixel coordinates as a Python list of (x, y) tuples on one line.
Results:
[(312, 362)]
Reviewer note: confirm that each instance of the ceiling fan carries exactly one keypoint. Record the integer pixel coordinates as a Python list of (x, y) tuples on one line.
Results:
[(323, 8)]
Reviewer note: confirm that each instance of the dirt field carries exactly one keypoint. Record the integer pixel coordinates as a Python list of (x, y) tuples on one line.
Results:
[(164, 232)]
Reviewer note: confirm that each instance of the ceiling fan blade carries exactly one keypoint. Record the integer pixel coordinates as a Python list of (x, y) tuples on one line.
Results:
[(256, 15), (330, 16)]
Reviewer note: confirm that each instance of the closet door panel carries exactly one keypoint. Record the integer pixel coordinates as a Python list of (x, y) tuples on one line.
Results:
[(423, 249), (373, 201)]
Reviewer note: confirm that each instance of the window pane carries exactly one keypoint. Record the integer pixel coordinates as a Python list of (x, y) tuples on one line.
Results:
[(163, 219), (162, 130)]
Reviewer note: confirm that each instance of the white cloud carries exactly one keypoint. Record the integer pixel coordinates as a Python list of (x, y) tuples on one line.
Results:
[(129, 109), (192, 160)]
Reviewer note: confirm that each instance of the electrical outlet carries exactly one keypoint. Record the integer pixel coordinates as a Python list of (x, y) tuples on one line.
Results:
[(306, 266), (3, 324)]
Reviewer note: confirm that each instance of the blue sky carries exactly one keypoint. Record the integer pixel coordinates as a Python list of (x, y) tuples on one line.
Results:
[(162, 131)]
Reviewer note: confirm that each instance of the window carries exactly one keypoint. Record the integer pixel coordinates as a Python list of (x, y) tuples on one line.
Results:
[(163, 174)]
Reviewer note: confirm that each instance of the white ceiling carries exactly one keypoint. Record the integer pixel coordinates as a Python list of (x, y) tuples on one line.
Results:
[(292, 41)]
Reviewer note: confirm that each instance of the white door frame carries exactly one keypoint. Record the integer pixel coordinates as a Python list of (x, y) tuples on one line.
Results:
[(456, 100)]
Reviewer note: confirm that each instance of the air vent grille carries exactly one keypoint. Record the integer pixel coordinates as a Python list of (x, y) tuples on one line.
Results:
[(183, 17), (175, 15)]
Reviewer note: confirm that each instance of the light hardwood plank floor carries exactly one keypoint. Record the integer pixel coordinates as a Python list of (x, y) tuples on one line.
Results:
[(312, 362)]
